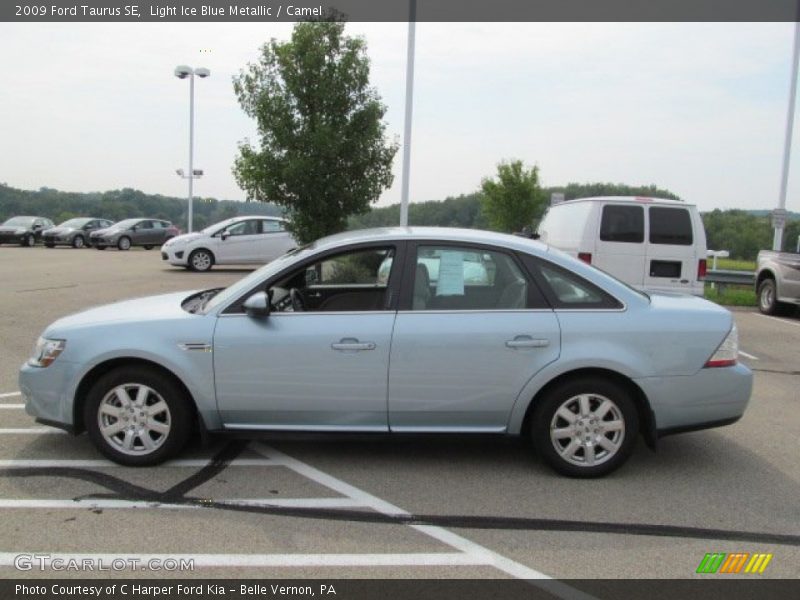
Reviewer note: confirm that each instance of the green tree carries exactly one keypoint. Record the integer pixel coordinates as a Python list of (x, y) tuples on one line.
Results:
[(323, 152), (515, 200)]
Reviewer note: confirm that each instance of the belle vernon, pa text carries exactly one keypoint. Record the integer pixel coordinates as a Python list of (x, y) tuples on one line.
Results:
[(166, 591)]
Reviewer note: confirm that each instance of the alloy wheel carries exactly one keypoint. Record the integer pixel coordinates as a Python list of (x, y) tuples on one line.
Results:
[(134, 419), (587, 430)]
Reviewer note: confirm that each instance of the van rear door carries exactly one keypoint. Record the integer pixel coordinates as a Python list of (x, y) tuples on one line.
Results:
[(620, 242), (672, 260)]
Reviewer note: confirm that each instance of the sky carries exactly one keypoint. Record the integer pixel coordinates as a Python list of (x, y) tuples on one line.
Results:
[(699, 109)]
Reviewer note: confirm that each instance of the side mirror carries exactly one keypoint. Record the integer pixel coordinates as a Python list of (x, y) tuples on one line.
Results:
[(134, 228), (224, 235), (258, 305)]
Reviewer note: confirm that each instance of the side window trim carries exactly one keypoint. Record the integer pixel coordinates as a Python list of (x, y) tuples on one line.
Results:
[(392, 288), (409, 272)]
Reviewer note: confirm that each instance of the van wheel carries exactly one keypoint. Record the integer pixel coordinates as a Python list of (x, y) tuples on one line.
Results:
[(137, 416), (585, 427)]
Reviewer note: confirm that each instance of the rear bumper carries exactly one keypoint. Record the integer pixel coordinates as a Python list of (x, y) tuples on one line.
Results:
[(710, 398)]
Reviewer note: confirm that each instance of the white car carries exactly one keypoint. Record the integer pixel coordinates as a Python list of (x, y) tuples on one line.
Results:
[(240, 240)]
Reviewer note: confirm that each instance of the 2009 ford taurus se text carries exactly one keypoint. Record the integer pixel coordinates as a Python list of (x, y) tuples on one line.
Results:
[(397, 330)]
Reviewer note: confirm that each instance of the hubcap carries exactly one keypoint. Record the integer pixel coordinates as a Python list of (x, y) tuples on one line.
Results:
[(134, 419), (766, 297), (79, 242), (587, 430), (201, 261), (124, 243)]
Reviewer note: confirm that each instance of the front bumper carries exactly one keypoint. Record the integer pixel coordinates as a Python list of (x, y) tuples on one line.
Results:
[(57, 239), (175, 256), (48, 392), (709, 398), (11, 238)]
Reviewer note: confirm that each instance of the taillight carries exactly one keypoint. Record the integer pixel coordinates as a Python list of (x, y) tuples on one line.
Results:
[(585, 257), (702, 269), (728, 352)]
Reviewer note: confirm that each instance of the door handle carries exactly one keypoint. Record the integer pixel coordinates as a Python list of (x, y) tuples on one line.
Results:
[(526, 341), (352, 345)]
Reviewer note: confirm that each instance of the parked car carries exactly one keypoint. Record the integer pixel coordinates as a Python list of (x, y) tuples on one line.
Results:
[(134, 232), (777, 281), (546, 347), (652, 244), (25, 231), (240, 240), (74, 232)]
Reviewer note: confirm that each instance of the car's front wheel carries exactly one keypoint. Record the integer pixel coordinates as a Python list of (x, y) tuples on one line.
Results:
[(124, 243), (200, 260), (586, 427), (78, 241), (29, 241), (137, 416)]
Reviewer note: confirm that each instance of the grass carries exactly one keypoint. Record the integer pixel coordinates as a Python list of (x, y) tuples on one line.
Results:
[(730, 295), (729, 264)]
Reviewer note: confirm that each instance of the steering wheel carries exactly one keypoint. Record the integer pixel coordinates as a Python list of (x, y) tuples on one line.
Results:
[(298, 304)]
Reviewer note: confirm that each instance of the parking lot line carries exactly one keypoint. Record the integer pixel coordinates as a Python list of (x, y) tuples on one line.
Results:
[(12, 406), (746, 355), (37, 463), (110, 503), (10, 394), (31, 431), (776, 319)]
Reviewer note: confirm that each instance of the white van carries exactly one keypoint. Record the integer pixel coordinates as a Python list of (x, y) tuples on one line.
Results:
[(652, 244)]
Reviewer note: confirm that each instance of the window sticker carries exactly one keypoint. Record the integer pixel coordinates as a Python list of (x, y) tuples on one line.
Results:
[(451, 274)]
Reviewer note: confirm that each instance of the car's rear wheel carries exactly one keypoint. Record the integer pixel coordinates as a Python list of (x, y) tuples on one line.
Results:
[(201, 260), (124, 243), (78, 241), (137, 416), (586, 427), (768, 298)]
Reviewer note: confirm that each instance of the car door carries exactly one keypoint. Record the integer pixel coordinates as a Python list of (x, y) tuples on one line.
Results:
[(321, 369), (143, 233), (237, 242), (472, 330), (274, 241)]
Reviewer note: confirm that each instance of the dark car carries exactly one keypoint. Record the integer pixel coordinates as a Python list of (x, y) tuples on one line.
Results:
[(74, 232), (25, 231), (134, 232)]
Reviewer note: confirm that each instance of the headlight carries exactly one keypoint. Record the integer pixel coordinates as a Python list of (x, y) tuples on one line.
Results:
[(46, 351)]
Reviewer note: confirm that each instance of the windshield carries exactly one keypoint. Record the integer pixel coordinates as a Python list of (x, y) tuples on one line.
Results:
[(261, 274), (19, 221), (125, 224), (75, 223)]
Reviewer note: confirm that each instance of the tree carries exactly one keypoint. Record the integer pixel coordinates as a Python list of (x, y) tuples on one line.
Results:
[(515, 200), (323, 152)]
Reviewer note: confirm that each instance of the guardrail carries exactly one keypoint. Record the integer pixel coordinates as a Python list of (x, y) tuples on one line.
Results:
[(727, 277)]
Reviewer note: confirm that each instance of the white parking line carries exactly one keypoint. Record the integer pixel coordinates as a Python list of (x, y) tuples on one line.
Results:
[(776, 319), (12, 406), (478, 553), (746, 355), (31, 431), (10, 394), (35, 463), (140, 504), (420, 559)]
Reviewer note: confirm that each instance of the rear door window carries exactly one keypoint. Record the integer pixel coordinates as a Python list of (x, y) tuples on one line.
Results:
[(670, 226), (622, 224)]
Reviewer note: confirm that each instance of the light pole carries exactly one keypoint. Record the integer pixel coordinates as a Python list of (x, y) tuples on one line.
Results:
[(412, 27), (182, 72), (779, 214)]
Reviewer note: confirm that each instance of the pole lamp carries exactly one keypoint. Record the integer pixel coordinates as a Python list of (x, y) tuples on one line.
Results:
[(182, 72)]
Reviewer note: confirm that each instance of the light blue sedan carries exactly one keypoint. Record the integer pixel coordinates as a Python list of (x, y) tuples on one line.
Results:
[(322, 340)]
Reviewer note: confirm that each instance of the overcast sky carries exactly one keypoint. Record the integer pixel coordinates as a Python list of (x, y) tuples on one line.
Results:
[(695, 108)]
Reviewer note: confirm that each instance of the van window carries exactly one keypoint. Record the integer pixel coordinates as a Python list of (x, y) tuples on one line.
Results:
[(563, 224), (670, 226), (622, 224)]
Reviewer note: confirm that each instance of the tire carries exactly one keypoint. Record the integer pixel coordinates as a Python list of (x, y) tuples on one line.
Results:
[(148, 247), (570, 453), (768, 298), (100, 247), (201, 260), (28, 241), (124, 243), (78, 241), (166, 430)]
